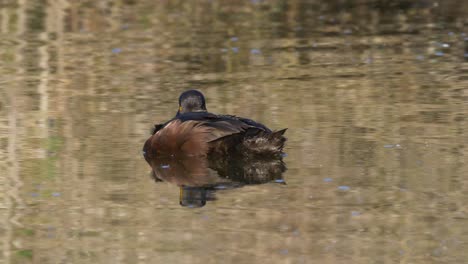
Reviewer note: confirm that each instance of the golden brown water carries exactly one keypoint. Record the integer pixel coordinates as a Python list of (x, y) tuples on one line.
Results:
[(374, 95)]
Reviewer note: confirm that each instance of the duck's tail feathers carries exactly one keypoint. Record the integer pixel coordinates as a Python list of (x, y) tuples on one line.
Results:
[(265, 143)]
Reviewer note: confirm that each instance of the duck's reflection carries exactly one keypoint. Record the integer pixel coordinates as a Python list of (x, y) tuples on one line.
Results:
[(199, 178)]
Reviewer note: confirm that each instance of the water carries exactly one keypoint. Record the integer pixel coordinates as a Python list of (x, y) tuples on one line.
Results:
[(374, 96)]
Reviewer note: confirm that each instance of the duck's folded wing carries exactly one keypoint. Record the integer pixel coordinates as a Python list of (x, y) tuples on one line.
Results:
[(223, 128), (218, 126), (247, 121)]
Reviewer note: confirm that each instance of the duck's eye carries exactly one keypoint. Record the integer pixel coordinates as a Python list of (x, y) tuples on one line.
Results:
[(180, 108)]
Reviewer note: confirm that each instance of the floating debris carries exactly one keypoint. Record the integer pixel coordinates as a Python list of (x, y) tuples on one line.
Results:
[(392, 146), (221, 187), (205, 217), (296, 232), (255, 51), (328, 180), (116, 50), (355, 213), (344, 188)]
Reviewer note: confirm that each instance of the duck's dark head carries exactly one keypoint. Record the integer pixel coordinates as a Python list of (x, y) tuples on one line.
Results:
[(191, 101)]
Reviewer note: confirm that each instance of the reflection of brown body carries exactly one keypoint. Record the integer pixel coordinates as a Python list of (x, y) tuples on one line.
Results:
[(213, 170), (192, 171), (199, 177)]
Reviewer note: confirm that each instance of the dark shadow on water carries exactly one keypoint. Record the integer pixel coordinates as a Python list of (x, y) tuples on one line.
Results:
[(200, 177)]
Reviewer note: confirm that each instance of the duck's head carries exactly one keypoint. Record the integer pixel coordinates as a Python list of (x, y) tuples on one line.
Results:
[(191, 101)]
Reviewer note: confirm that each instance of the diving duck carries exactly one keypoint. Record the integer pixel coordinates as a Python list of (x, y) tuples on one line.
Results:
[(196, 132)]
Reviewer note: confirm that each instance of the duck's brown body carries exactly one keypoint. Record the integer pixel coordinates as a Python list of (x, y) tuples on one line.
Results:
[(188, 138), (200, 133)]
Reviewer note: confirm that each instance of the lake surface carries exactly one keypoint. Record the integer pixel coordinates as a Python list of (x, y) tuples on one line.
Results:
[(374, 96)]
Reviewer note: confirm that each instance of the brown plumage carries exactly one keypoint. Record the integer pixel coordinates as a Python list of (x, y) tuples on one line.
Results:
[(196, 132), (184, 138)]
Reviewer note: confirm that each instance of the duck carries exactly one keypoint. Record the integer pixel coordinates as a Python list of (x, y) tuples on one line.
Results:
[(195, 132)]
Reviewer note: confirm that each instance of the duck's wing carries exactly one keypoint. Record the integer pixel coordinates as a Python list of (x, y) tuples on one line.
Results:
[(220, 126), (224, 127), (194, 116), (247, 121), (226, 124)]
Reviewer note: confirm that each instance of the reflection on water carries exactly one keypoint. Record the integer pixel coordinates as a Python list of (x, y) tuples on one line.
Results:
[(199, 177), (373, 93)]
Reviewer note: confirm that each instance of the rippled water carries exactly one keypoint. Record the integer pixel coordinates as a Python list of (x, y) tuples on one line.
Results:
[(374, 95)]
